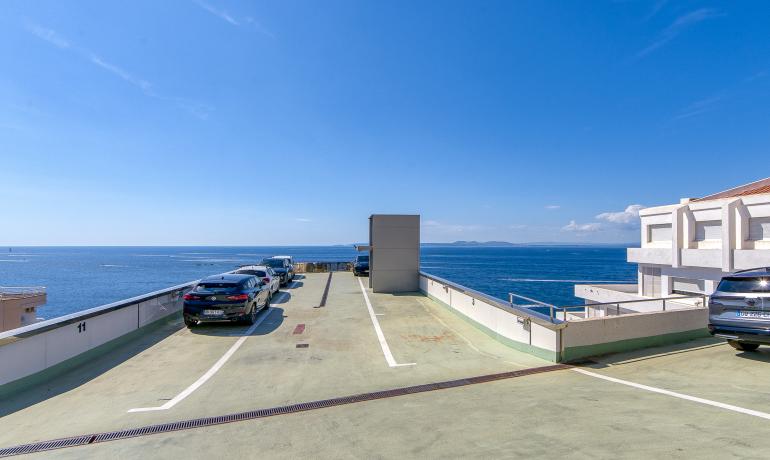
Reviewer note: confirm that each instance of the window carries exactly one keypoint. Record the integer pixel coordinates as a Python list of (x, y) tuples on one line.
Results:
[(651, 281), (759, 229), (708, 230), (745, 285), (687, 286), (220, 288), (658, 233)]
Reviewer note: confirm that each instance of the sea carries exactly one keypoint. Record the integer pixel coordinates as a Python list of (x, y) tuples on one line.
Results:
[(78, 278)]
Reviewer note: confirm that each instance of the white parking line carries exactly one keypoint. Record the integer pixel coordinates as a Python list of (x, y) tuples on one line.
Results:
[(380, 336), (707, 402), (210, 373)]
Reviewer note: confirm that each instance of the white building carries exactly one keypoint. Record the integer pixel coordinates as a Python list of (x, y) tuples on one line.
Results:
[(687, 247)]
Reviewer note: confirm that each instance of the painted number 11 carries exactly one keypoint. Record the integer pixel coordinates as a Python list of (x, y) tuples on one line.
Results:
[(82, 327)]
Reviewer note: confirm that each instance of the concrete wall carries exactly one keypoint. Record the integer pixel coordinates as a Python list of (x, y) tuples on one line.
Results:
[(525, 331), (33, 349), (611, 334), (394, 261), (565, 341)]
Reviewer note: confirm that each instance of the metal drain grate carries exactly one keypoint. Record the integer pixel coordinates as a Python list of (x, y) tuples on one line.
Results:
[(326, 291), (261, 413)]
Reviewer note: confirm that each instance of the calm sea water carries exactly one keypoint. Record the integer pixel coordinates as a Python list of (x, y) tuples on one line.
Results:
[(83, 277)]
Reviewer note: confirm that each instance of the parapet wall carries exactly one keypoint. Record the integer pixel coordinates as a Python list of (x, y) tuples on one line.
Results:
[(519, 328), (52, 345), (563, 341), (612, 334)]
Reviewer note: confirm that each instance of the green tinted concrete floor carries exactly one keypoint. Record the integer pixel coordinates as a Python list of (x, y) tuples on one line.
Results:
[(558, 414)]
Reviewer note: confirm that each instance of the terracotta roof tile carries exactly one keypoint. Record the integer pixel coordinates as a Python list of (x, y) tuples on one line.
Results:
[(753, 188)]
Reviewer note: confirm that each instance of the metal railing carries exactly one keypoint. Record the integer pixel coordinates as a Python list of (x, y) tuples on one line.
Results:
[(14, 292), (555, 310), (322, 267)]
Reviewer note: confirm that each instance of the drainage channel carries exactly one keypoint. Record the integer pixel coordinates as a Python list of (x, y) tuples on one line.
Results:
[(326, 291), (96, 438)]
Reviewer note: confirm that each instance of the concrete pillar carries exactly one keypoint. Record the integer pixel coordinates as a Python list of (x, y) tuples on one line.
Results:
[(678, 235), (728, 234), (394, 261), (742, 222)]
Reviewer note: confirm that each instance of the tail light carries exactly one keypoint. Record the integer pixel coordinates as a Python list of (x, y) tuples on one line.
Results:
[(238, 297), (265, 280), (191, 297)]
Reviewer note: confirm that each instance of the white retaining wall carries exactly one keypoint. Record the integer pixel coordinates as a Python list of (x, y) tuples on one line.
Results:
[(507, 322), (35, 348)]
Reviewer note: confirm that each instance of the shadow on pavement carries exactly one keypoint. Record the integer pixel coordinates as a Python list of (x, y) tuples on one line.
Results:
[(272, 321), (79, 374)]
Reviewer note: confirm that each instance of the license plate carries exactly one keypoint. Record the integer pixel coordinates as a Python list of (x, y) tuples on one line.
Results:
[(754, 314), (213, 312)]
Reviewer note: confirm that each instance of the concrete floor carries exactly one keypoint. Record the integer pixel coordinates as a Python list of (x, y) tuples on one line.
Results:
[(558, 414)]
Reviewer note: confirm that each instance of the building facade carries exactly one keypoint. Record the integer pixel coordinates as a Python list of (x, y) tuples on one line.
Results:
[(686, 248)]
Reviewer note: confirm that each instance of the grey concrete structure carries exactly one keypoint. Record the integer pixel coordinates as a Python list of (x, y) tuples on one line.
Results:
[(394, 262)]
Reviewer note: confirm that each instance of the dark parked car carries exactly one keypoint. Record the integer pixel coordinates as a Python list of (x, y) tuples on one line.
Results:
[(281, 267), (739, 310), (226, 298), (361, 265)]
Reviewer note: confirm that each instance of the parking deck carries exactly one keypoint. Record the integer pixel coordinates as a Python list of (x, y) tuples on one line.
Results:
[(710, 402)]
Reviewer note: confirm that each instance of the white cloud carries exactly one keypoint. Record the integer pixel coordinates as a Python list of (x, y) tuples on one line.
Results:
[(302, 219), (235, 21), (48, 35), (680, 24), (221, 14), (699, 107), (582, 228), (144, 85), (629, 217), (553, 206), (621, 220), (199, 110)]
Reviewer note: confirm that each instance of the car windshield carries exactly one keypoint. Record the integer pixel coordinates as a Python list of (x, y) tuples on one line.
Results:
[(363, 258), (739, 285), (275, 263), (251, 272), (217, 287)]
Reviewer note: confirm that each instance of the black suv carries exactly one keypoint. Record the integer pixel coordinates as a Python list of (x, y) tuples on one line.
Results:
[(281, 267), (361, 265), (226, 298), (739, 310)]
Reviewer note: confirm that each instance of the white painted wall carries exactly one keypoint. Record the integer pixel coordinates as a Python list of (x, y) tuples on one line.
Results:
[(609, 329), (23, 356), (504, 322)]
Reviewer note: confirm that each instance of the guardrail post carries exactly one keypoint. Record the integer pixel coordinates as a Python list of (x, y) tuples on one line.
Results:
[(664, 304)]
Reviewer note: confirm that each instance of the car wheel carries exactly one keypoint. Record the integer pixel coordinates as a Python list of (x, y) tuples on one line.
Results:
[(251, 318), (267, 304), (743, 346), (190, 323)]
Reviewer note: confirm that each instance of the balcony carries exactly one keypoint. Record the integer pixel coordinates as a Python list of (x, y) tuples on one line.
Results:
[(711, 258), (657, 256), (751, 258)]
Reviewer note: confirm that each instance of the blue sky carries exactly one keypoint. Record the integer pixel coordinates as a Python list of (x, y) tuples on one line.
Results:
[(245, 123)]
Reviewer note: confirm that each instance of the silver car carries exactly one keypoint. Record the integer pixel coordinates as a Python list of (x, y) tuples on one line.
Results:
[(739, 310), (266, 274)]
